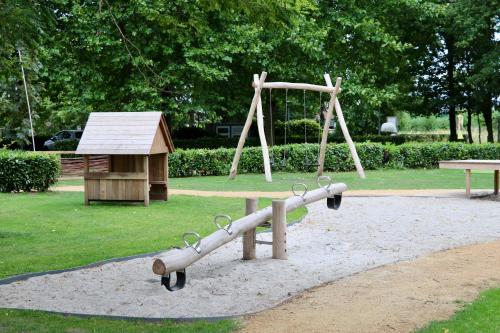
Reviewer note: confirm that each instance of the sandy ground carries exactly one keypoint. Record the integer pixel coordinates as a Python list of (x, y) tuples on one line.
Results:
[(395, 298), (328, 245), (284, 194)]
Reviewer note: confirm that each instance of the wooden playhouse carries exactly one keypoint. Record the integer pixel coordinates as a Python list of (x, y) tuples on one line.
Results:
[(137, 145)]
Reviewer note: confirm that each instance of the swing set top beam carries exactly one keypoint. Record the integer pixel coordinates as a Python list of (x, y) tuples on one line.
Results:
[(298, 86)]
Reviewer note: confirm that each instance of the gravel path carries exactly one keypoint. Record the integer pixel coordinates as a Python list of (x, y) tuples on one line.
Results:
[(327, 245)]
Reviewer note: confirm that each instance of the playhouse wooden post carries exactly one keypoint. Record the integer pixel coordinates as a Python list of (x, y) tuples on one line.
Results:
[(145, 166), (345, 131), (262, 135), (250, 235), (279, 229), (246, 128), (326, 126), (86, 164), (165, 175)]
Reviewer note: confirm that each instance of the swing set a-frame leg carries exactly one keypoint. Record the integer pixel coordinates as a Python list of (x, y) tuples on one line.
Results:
[(246, 127), (262, 135), (328, 118), (334, 102)]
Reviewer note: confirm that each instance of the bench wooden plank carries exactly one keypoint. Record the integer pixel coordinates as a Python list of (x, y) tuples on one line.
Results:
[(471, 164)]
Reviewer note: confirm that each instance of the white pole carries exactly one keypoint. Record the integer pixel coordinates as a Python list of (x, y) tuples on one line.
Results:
[(27, 100)]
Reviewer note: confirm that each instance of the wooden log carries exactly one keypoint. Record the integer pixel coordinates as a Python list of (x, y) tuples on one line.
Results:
[(178, 259), (249, 237), (298, 86), (246, 128), (279, 230), (326, 126), (345, 131), (262, 135)]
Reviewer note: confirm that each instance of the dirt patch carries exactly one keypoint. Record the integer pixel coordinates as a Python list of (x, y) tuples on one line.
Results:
[(395, 298)]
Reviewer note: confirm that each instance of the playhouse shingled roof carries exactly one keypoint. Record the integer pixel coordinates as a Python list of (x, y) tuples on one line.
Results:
[(125, 133)]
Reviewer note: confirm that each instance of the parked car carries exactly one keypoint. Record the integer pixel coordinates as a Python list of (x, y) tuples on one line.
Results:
[(62, 136)]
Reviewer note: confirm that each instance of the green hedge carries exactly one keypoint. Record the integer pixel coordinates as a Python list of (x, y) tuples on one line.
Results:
[(26, 171), (302, 157), (312, 137)]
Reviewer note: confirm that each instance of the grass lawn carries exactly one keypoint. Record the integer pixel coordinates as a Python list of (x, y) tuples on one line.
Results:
[(375, 180), (44, 231), (16, 321), (482, 315)]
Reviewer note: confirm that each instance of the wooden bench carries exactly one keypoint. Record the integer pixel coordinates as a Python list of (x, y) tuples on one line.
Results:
[(469, 165)]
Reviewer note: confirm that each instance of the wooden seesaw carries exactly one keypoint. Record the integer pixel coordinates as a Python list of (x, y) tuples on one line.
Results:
[(176, 260)]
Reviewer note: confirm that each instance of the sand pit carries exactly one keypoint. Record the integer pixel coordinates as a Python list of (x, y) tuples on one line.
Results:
[(327, 245)]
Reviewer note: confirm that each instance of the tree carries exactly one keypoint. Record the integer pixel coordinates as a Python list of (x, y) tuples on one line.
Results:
[(22, 27)]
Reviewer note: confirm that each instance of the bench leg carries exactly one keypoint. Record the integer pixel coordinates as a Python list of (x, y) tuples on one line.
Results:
[(496, 182), (468, 175)]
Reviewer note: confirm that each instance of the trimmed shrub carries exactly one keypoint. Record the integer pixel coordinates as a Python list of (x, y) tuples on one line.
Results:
[(312, 137), (303, 157), (26, 171)]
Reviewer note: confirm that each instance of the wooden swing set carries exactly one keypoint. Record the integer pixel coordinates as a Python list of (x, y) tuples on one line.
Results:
[(259, 84)]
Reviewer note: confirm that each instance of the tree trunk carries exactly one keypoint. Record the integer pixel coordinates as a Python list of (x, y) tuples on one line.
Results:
[(469, 124), (479, 126), (450, 69), (486, 107)]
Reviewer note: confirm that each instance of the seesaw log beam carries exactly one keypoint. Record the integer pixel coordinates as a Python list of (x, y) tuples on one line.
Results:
[(178, 259)]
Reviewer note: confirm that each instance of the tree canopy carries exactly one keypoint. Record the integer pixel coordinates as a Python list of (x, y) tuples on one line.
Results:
[(195, 59)]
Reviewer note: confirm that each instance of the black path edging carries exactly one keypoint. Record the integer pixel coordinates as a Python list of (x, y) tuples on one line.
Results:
[(26, 276)]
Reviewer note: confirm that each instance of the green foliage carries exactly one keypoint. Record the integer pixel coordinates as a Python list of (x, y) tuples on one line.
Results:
[(428, 155), (422, 123), (193, 60), (26, 171), (303, 157), (219, 142), (298, 130)]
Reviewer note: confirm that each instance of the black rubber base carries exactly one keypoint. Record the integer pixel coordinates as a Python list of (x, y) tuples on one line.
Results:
[(334, 202), (179, 283)]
